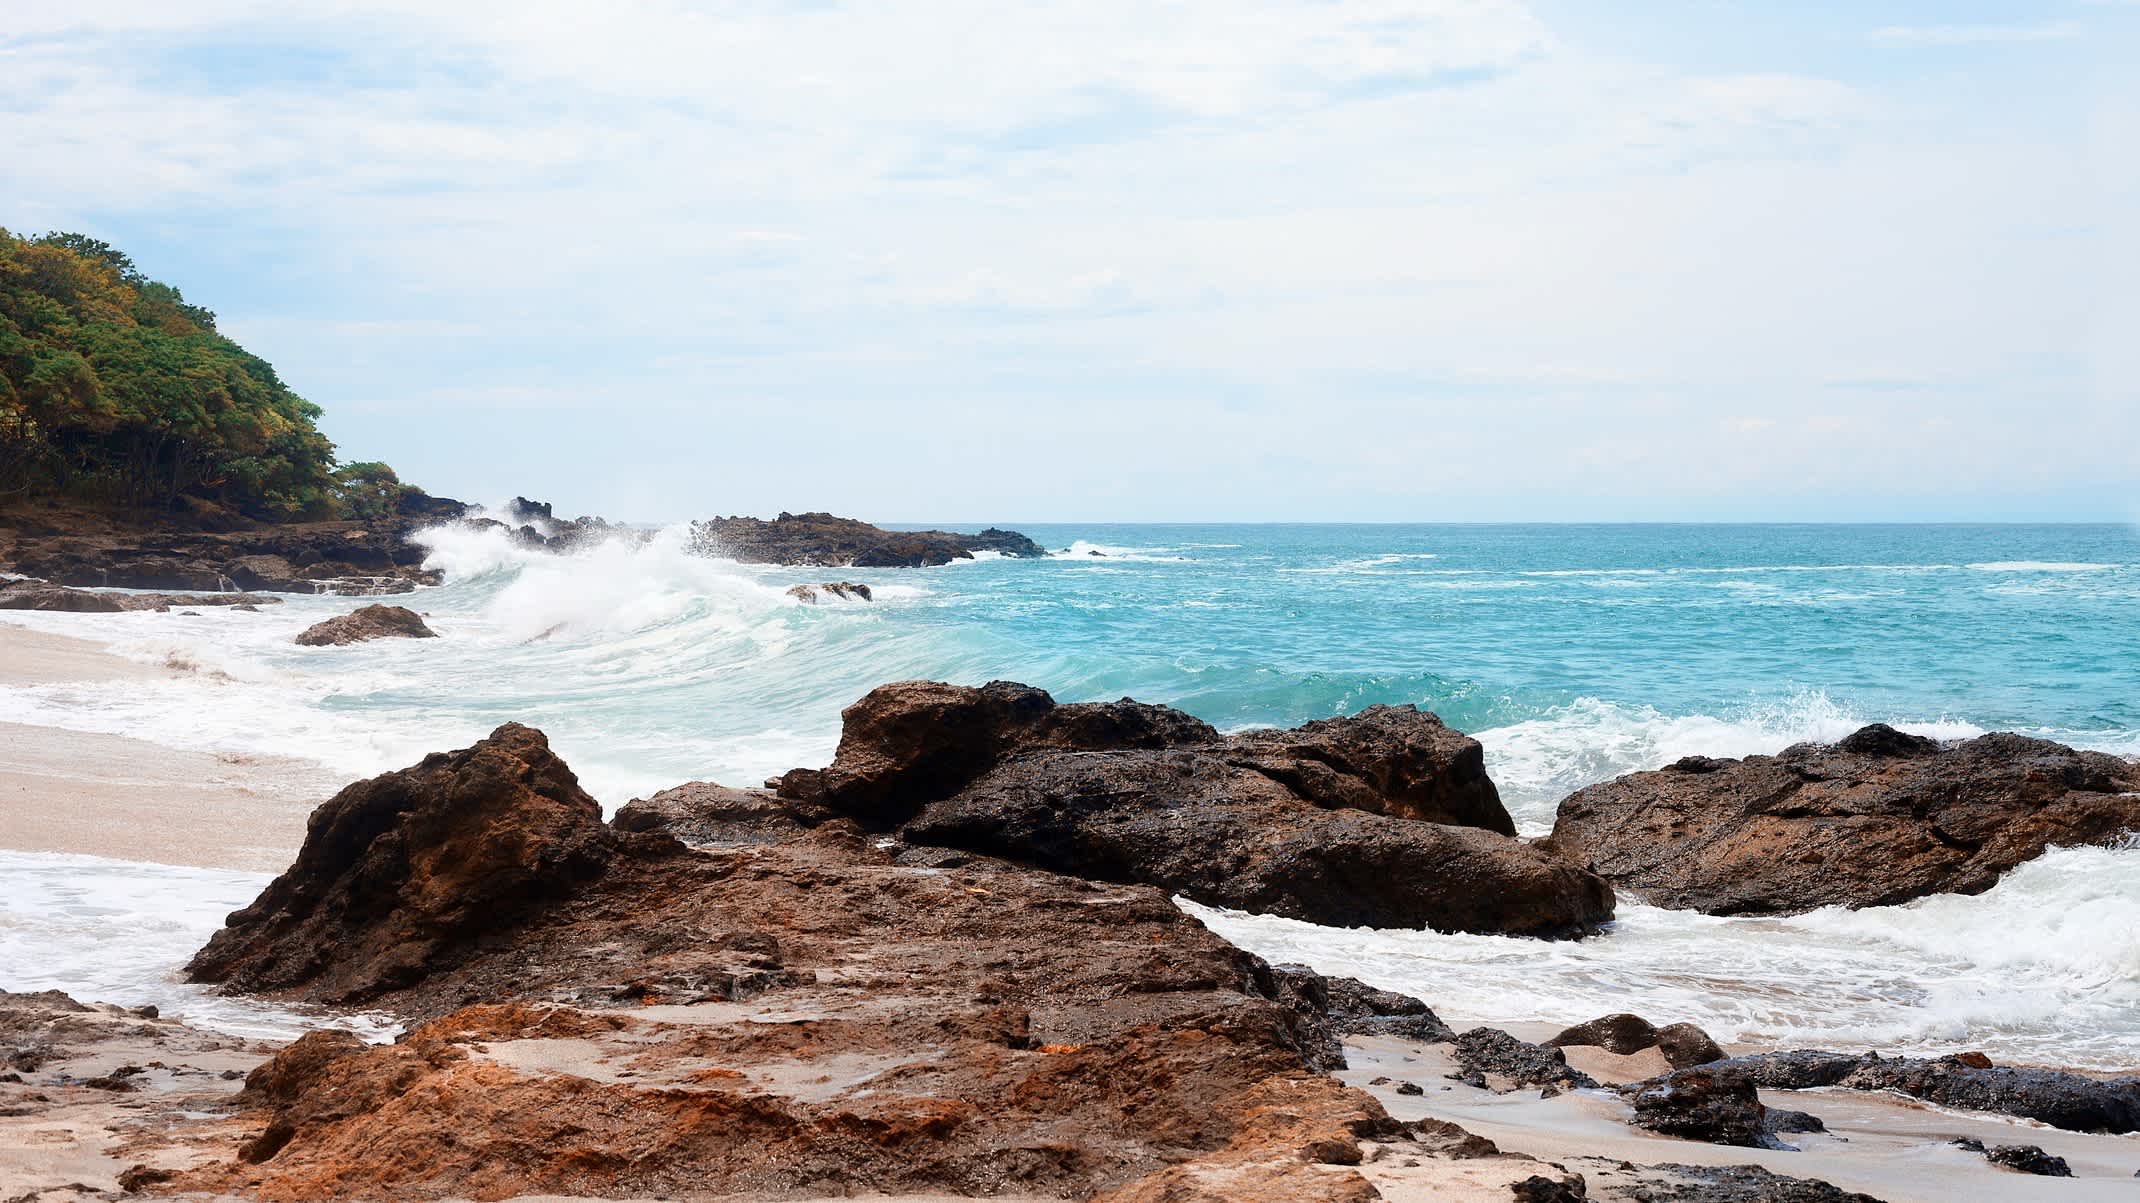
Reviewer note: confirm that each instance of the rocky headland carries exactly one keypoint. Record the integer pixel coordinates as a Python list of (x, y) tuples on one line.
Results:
[(826, 541)]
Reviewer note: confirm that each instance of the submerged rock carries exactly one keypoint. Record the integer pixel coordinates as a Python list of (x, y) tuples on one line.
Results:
[(37, 595), (1875, 819), (844, 590), (366, 623), (1385, 819)]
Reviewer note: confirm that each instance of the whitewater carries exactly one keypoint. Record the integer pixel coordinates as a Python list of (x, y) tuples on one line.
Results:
[(1573, 653)]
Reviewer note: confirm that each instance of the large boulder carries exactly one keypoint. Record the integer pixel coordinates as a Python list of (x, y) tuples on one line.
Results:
[(367, 623), (1385, 819), (1878, 818), (408, 870)]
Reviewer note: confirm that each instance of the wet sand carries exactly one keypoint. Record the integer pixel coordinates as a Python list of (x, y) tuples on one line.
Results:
[(108, 795)]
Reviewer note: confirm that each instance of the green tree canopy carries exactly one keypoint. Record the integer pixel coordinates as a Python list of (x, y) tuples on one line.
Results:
[(114, 389)]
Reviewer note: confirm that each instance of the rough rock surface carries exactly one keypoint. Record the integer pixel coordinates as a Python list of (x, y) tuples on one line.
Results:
[(610, 1013), (826, 541), (366, 623), (844, 590), (1682, 1044), (92, 550), (1490, 1058), (2029, 1159), (1356, 1008), (407, 873), (37, 595), (1710, 1184), (1877, 818), (700, 812), (2063, 1100), (1385, 819), (1707, 1103)]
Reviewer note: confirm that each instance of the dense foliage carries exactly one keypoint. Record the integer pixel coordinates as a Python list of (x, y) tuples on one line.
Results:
[(113, 389)]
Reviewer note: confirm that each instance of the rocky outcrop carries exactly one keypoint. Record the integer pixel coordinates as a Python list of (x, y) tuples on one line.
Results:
[(2028, 1159), (407, 873), (1385, 819), (810, 595), (1878, 818), (2063, 1100), (366, 623), (1622, 1034), (608, 1013), (91, 550), (37, 595), (825, 541)]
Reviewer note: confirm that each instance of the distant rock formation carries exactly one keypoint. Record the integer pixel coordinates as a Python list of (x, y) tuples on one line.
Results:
[(1877, 818), (825, 541), (366, 623), (38, 595)]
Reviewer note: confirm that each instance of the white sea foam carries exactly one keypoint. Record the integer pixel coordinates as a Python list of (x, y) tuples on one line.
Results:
[(117, 931), (1083, 550), (2044, 967), (2041, 566), (1539, 761)]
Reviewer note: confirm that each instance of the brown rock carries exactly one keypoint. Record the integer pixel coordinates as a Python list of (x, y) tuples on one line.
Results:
[(1683, 1045), (1620, 1033), (1876, 819), (365, 623), (700, 812), (411, 870), (1323, 822)]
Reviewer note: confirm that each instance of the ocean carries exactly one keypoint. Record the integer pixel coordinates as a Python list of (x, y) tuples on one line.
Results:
[(1574, 653)]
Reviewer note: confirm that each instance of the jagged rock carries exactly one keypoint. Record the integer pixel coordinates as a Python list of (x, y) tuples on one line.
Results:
[(2029, 1159), (826, 541), (1672, 1183), (1323, 822), (92, 550), (1878, 818), (366, 623), (844, 590), (408, 871), (1706, 1103), (2063, 1100), (1488, 1057), (1352, 1007)]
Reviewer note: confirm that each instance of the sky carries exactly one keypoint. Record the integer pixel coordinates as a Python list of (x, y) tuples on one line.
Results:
[(1197, 260)]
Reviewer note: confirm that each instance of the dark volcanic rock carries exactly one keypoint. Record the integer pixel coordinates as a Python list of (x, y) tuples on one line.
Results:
[(1707, 1103), (1483, 1054), (364, 623), (1683, 1045), (827, 541), (1719, 1184), (2029, 1159), (1322, 823), (1878, 818), (1352, 1007), (402, 874), (1620, 1033), (2063, 1100)]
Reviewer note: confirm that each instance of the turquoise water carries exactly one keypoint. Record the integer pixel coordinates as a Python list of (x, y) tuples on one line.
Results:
[(1574, 653)]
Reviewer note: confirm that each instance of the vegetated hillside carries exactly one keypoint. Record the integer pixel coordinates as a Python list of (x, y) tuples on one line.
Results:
[(115, 391)]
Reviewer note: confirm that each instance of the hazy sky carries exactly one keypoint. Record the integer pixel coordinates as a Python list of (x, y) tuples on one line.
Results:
[(1211, 259)]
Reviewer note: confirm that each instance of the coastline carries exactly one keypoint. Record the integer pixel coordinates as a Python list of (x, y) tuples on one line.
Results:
[(112, 796)]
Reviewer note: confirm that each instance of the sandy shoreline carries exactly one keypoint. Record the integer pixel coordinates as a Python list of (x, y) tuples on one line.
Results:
[(108, 795)]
